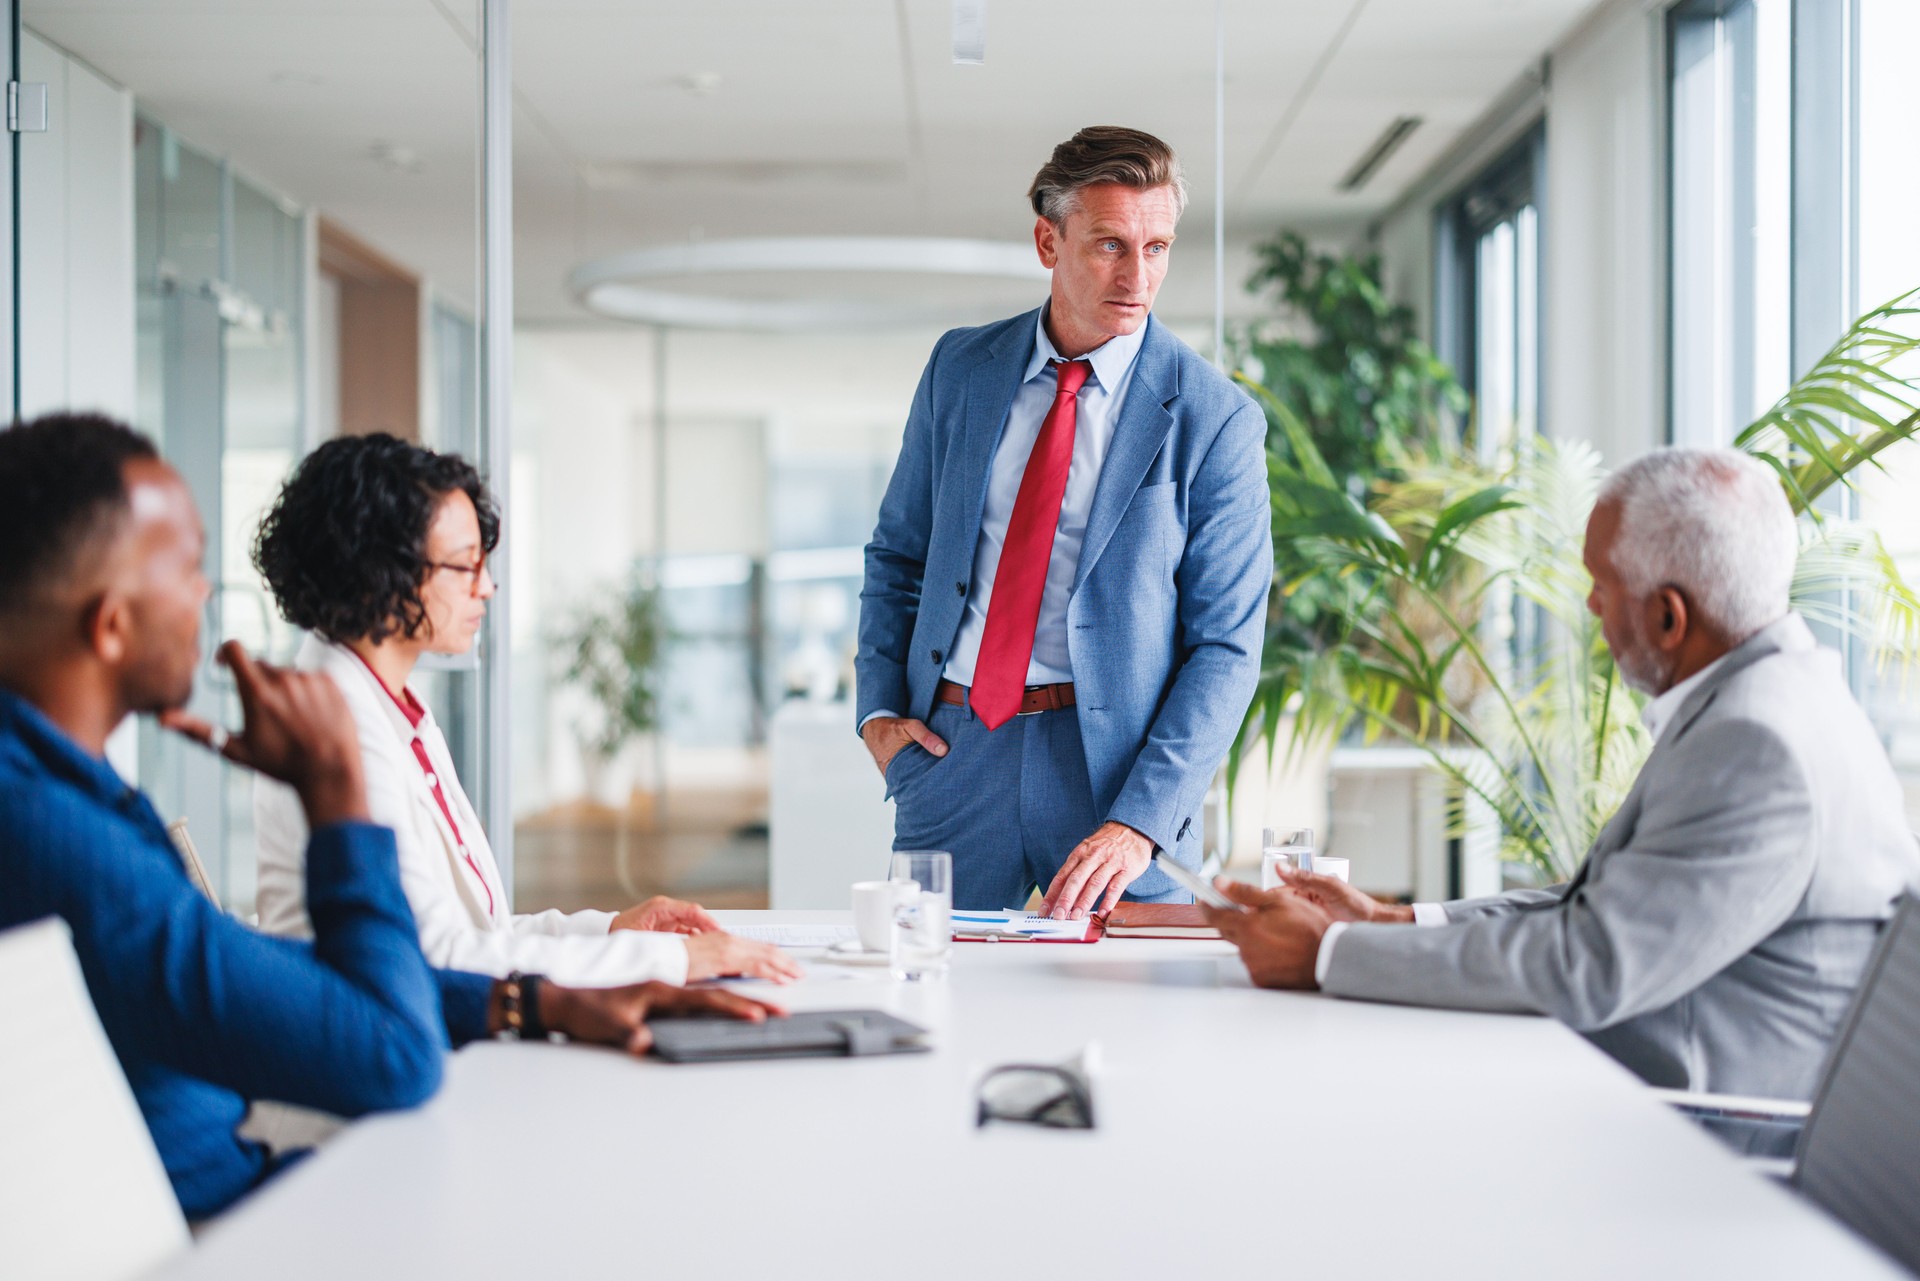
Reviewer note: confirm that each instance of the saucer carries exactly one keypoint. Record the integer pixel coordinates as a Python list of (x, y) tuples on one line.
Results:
[(849, 952)]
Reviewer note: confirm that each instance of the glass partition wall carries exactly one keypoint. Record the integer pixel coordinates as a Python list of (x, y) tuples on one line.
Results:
[(245, 246)]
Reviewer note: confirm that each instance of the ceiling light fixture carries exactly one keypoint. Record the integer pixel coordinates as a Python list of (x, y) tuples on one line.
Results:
[(1382, 149), (615, 286), (970, 32)]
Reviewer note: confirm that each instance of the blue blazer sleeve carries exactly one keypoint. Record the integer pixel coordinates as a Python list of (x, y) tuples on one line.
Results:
[(896, 564), (349, 1023), (1223, 580)]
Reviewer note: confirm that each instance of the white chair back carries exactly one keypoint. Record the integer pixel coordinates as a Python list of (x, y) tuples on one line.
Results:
[(83, 1196), (1859, 1155), (190, 855)]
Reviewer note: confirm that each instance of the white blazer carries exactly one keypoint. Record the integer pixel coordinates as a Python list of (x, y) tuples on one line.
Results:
[(449, 898)]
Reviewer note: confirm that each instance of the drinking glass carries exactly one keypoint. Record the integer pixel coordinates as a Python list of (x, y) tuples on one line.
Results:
[(922, 937), (1291, 848)]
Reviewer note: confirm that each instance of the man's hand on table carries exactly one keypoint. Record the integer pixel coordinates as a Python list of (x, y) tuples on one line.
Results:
[(722, 955), (1341, 902), (663, 915), (886, 735), (1104, 864), (1279, 939), (618, 1016)]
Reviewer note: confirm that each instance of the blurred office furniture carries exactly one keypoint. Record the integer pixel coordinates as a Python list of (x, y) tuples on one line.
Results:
[(83, 1196), (1859, 1150), (830, 824), (1389, 814), (190, 855), (1511, 1138)]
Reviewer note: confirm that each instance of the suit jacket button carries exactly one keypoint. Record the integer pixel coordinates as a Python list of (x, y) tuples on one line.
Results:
[(936, 655)]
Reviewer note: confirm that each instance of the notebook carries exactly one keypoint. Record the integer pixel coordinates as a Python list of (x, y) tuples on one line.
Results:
[(1022, 927), (1158, 921)]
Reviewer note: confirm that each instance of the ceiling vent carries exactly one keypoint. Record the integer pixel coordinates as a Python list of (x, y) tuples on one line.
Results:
[(1379, 153)]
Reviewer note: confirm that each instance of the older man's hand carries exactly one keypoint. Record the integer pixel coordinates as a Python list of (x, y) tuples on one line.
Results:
[(1341, 902), (1279, 937)]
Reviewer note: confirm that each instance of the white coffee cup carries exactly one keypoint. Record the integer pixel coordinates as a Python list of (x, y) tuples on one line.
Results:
[(873, 904), (1328, 865)]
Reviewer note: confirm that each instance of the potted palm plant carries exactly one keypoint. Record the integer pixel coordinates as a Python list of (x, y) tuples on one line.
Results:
[(610, 648)]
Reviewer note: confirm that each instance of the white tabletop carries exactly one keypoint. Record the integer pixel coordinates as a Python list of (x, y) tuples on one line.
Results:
[(1241, 1133)]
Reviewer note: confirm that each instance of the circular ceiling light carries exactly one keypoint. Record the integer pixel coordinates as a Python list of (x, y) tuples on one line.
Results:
[(616, 286)]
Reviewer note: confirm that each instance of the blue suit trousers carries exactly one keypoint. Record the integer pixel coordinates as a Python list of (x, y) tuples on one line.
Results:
[(1009, 804)]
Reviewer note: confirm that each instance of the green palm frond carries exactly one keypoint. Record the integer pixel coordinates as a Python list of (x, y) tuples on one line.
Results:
[(1858, 400)]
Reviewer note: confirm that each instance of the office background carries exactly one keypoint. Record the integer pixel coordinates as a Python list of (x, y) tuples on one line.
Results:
[(253, 227)]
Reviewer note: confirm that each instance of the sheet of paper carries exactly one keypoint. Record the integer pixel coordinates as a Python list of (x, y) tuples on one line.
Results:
[(797, 935), (1023, 923)]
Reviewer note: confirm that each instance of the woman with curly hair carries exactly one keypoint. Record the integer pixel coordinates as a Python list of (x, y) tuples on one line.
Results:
[(378, 548)]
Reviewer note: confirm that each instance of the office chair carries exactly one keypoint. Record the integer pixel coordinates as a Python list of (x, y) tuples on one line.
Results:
[(83, 1195), (1858, 1154)]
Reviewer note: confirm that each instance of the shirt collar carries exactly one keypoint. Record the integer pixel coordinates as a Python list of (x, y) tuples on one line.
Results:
[(1110, 360), (404, 702), (1659, 714), (54, 751)]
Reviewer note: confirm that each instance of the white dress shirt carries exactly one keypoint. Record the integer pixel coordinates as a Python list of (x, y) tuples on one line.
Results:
[(459, 906), (1096, 413), (1656, 716)]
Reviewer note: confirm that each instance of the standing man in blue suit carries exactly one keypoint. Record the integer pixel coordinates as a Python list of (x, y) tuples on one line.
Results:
[(1067, 587)]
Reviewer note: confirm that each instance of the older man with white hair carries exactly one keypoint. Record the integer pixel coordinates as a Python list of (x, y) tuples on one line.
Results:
[(1716, 930)]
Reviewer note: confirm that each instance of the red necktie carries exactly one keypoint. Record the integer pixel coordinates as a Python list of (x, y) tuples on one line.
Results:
[(1000, 673)]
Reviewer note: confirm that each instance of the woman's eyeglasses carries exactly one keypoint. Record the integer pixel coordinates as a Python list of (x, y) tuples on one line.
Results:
[(473, 572)]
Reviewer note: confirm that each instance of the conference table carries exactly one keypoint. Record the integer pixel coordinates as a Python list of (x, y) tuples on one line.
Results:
[(1239, 1132)]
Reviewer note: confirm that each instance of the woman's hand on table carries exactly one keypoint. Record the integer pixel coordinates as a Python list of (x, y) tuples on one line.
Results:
[(721, 955), (663, 915)]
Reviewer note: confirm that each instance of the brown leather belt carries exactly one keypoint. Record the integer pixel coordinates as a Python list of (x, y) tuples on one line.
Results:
[(1038, 698)]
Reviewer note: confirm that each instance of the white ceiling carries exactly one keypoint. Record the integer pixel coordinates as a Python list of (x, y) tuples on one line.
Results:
[(648, 123)]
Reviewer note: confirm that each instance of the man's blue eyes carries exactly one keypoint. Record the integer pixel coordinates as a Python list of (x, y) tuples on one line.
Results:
[(1114, 244)]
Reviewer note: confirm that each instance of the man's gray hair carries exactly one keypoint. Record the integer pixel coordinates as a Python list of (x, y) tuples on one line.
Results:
[(1713, 523), (1104, 153)]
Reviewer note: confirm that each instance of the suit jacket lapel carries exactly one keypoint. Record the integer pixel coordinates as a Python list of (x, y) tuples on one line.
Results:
[(1143, 426), (990, 391), (1790, 634)]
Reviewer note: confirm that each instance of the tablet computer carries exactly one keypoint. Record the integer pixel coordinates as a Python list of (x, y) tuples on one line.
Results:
[(803, 1034)]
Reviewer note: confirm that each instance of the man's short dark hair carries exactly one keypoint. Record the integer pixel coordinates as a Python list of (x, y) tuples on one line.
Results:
[(1104, 153), (344, 549), (63, 492)]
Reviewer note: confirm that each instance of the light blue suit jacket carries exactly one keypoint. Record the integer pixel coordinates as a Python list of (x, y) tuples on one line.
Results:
[(1170, 598)]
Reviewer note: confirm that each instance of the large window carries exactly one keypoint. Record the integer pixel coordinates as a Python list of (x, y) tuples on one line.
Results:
[(1887, 94), (1489, 295), (1729, 184)]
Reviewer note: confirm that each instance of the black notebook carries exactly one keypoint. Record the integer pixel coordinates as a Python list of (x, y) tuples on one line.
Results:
[(803, 1034)]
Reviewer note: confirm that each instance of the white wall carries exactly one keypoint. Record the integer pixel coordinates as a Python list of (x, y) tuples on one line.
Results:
[(76, 247), (1604, 269)]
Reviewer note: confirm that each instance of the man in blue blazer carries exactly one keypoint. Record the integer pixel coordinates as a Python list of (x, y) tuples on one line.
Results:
[(1067, 587)]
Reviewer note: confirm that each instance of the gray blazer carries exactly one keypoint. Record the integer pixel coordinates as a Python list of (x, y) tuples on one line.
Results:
[(1717, 929)]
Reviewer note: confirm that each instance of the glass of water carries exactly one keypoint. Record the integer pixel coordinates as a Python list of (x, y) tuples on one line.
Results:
[(922, 936), (1289, 848)]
